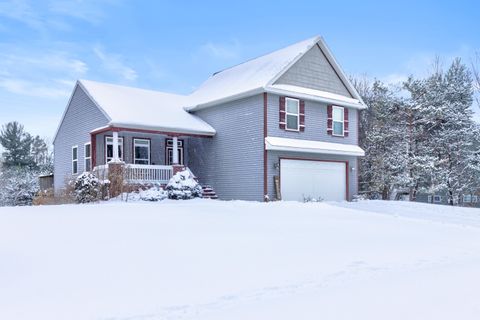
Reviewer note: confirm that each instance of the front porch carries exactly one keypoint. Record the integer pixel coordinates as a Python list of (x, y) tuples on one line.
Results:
[(145, 156)]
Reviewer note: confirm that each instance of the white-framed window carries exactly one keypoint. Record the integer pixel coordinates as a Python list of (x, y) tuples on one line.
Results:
[(292, 114), (141, 151), (430, 198), (169, 151), (74, 159), (467, 198), (437, 198), (87, 149), (109, 149), (338, 121)]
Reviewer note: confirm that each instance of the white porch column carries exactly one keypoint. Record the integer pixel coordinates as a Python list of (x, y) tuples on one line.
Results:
[(115, 157), (175, 150)]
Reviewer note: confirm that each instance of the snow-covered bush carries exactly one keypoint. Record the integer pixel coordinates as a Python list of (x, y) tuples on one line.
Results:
[(18, 186), (155, 193), (312, 199), (183, 186), (87, 188)]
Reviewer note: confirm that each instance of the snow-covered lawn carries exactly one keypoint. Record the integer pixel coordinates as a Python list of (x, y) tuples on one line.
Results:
[(204, 259)]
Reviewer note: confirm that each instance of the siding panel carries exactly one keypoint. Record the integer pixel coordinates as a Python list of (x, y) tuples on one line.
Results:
[(82, 116), (315, 72), (232, 161)]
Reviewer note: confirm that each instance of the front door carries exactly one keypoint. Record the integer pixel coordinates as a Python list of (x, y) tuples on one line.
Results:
[(169, 152)]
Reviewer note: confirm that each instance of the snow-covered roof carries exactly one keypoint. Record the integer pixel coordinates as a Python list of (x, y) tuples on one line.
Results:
[(258, 75), (309, 146), (313, 94), (144, 109)]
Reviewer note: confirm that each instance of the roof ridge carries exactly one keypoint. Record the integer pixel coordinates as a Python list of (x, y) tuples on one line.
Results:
[(317, 38), (129, 87)]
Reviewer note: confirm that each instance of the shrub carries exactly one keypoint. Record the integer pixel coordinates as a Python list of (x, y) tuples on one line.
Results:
[(155, 193), (182, 186), (87, 188), (18, 186)]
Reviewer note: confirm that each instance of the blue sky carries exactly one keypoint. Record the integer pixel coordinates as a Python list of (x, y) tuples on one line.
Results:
[(174, 45)]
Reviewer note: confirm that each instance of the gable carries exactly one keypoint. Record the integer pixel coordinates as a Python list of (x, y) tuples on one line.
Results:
[(314, 71), (80, 116)]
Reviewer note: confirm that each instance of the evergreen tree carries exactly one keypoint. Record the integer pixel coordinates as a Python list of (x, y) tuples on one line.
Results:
[(17, 144), (382, 136)]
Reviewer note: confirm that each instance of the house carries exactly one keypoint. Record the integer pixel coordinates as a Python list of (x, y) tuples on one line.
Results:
[(467, 199), (283, 125)]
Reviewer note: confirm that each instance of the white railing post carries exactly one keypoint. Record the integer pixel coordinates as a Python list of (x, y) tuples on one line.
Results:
[(175, 150), (115, 157)]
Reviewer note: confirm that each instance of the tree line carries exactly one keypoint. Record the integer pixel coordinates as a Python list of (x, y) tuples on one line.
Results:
[(421, 137)]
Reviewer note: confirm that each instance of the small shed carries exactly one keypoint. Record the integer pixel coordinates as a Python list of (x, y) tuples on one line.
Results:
[(45, 182)]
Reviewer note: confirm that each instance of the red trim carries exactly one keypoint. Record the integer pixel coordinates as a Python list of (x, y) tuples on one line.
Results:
[(265, 155), (358, 144), (171, 134), (93, 145), (347, 195)]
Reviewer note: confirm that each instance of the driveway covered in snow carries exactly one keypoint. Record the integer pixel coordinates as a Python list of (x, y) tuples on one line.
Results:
[(206, 259)]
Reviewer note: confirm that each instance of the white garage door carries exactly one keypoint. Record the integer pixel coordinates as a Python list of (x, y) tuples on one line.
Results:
[(300, 179)]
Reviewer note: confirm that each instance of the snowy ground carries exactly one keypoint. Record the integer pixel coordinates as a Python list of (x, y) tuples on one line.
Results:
[(237, 260)]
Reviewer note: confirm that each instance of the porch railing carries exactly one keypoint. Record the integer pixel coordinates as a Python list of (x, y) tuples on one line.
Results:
[(140, 173)]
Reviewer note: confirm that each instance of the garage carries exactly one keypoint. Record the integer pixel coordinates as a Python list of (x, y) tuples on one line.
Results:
[(301, 179)]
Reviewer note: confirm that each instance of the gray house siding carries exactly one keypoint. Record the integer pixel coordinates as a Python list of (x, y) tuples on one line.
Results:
[(273, 170), (232, 161), (315, 72), (81, 117), (157, 147), (315, 123), (315, 129)]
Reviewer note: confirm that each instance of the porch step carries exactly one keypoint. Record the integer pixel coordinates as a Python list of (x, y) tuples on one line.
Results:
[(208, 192)]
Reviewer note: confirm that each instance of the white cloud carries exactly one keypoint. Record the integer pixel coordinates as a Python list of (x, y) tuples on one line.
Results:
[(92, 11), (224, 51), (115, 64), (39, 74)]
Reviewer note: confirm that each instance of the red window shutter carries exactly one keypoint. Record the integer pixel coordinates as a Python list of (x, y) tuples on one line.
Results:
[(329, 120), (345, 122), (302, 115), (281, 121)]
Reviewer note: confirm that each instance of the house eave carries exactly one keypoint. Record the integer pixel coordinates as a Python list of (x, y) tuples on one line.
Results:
[(326, 148), (359, 106)]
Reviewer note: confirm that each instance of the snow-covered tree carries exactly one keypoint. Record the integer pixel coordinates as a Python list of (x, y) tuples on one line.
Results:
[(17, 145), (445, 137), (382, 136), (87, 188)]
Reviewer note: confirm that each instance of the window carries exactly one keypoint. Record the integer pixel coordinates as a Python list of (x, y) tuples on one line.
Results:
[(88, 156), (109, 149), (292, 114), (338, 123), (429, 199), (169, 151), (74, 159), (474, 199), (437, 199), (467, 198), (141, 151)]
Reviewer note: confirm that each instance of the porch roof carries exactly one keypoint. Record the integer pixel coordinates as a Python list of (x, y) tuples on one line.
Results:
[(134, 108), (310, 146)]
